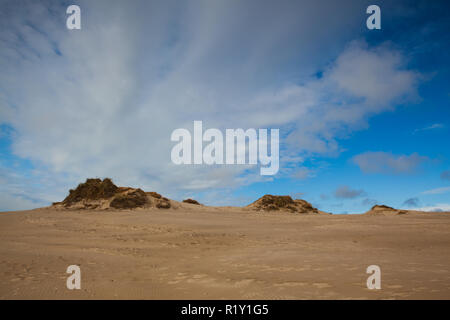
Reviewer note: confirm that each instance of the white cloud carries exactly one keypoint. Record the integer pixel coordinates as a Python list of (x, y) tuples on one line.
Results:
[(384, 162), (301, 173), (12, 203), (103, 100), (345, 192), (363, 73), (436, 208), (351, 90)]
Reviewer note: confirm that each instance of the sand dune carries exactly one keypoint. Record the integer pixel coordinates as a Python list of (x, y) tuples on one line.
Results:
[(219, 253), (191, 251)]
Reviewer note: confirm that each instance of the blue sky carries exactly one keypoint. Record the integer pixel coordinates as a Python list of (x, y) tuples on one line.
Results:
[(363, 114)]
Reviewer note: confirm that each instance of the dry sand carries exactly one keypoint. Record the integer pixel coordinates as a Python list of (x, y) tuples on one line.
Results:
[(196, 252)]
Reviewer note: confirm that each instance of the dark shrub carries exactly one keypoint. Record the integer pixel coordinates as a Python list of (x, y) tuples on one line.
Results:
[(133, 199), (92, 189), (192, 201)]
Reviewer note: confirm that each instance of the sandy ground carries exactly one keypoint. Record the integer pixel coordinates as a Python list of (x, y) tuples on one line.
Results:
[(222, 254)]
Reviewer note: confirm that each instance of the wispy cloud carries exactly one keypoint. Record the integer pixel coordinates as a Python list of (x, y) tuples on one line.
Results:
[(437, 190), (445, 175), (411, 202), (431, 127), (369, 202)]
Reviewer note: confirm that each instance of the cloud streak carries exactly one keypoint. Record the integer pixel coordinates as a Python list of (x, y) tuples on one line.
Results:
[(437, 190), (431, 127)]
